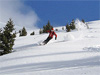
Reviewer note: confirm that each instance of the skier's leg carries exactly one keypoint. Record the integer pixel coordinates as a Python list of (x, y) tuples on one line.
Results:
[(47, 40)]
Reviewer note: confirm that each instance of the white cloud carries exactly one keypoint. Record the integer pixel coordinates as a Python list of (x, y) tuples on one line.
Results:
[(21, 14)]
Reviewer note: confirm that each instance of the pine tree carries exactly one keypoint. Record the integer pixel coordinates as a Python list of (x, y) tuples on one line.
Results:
[(8, 37), (83, 20), (1, 48), (33, 33), (67, 28), (1, 40), (72, 25), (47, 27), (23, 32), (44, 29)]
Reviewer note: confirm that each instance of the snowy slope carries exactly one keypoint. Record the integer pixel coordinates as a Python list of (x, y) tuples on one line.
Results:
[(73, 53)]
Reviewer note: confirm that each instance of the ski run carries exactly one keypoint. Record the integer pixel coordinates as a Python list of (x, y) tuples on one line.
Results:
[(73, 53)]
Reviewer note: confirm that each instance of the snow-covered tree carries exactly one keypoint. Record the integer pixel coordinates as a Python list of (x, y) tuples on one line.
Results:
[(7, 37)]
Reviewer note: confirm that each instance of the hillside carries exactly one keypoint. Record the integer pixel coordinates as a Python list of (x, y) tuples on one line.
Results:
[(73, 53)]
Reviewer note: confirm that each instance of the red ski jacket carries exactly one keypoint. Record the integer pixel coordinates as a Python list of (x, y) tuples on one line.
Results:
[(51, 33)]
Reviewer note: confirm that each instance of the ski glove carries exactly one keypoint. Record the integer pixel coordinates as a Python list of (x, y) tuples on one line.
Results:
[(55, 38)]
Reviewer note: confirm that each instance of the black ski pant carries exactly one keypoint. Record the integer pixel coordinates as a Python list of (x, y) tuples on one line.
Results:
[(47, 40)]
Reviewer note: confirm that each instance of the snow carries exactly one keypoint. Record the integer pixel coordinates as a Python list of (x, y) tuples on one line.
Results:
[(80, 25), (73, 53)]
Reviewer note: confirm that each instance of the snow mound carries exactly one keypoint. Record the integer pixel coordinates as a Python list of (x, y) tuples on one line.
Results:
[(93, 49), (69, 37), (80, 25)]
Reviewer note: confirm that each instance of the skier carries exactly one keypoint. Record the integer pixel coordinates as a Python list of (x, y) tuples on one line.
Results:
[(51, 33)]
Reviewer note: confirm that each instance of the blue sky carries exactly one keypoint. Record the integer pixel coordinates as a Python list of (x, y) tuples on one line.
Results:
[(62, 12), (32, 13)]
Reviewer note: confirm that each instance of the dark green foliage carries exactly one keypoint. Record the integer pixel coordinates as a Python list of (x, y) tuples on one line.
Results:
[(44, 29), (33, 33), (67, 28), (83, 21), (72, 25), (1, 48), (23, 32), (7, 37), (41, 31), (47, 27)]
